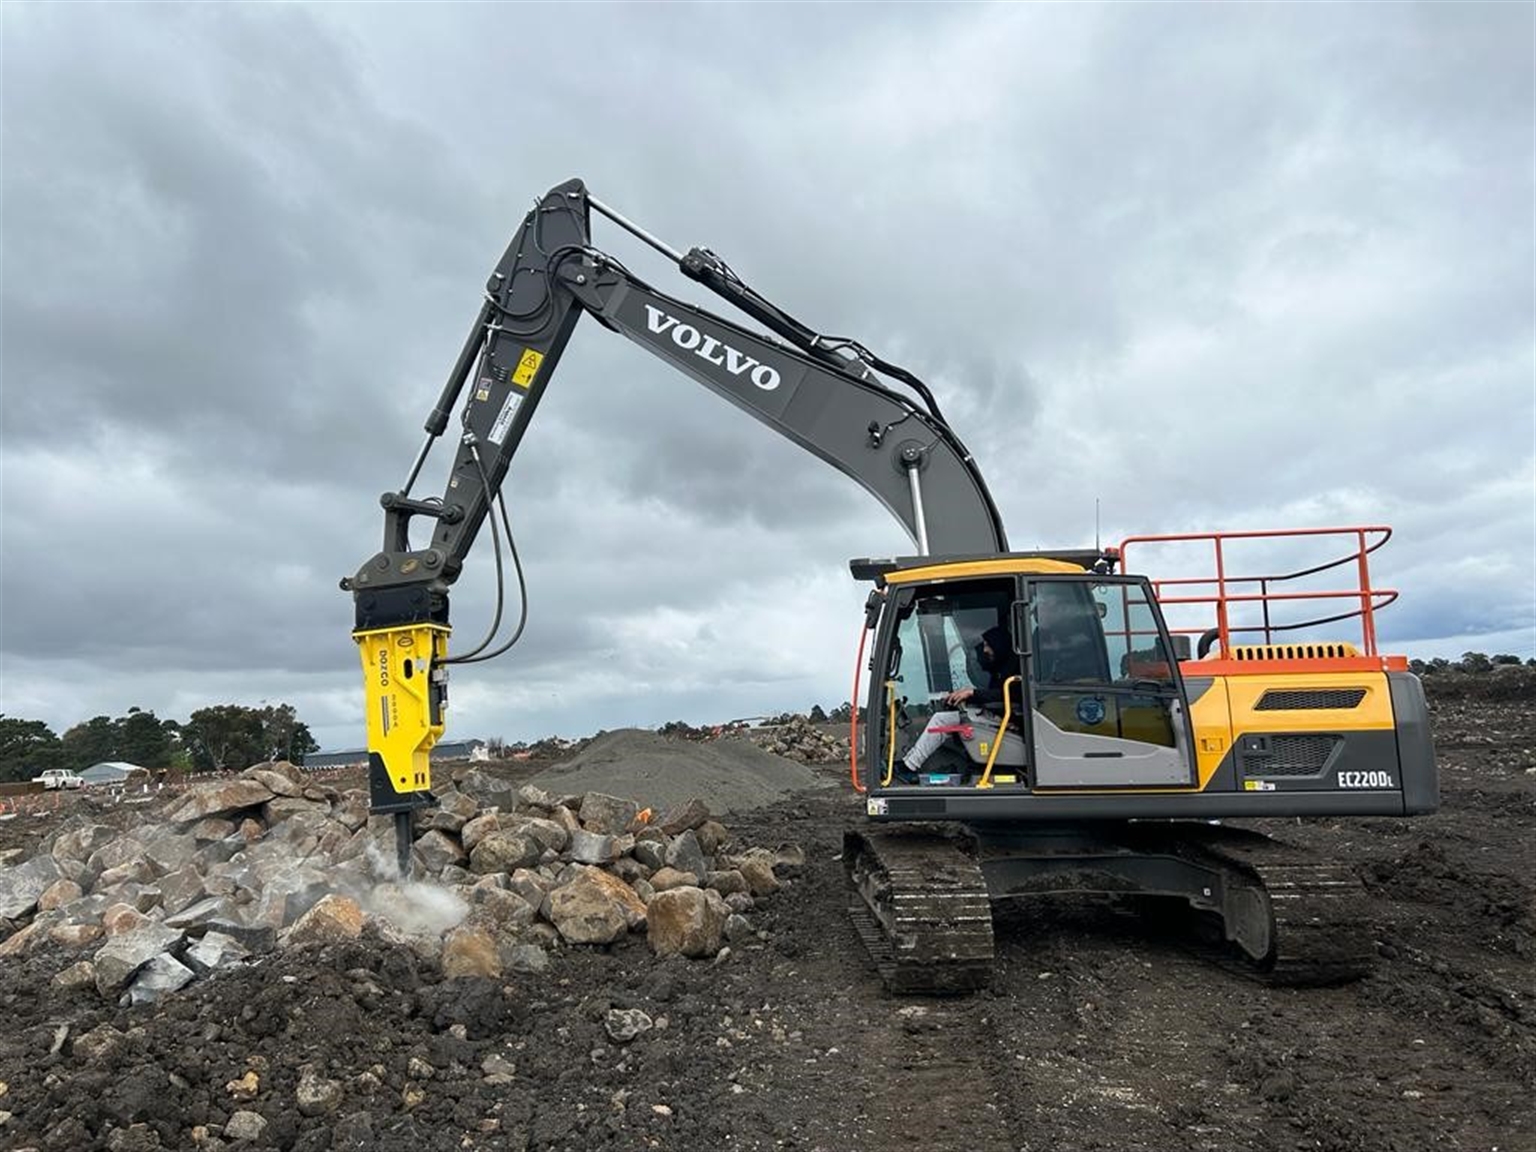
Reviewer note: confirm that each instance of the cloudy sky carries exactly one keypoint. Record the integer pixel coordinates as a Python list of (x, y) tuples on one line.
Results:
[(1214, 266)]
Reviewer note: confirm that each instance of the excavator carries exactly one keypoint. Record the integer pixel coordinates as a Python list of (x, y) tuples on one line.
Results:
[(1116, 747)]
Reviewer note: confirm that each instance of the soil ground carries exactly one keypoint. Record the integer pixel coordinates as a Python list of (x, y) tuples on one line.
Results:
[(1101, 1031)]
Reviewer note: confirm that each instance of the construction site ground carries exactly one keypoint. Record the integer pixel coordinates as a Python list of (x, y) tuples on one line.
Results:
[(1104, 1029)]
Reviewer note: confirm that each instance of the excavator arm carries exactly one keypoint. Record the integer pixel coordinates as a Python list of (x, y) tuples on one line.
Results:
[(822, 393)]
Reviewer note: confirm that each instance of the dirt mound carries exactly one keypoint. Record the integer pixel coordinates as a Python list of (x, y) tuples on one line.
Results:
[(729, 775), (1513, 682)]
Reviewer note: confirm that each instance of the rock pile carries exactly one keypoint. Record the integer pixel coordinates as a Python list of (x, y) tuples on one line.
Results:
[(796, 738), (265, 860)]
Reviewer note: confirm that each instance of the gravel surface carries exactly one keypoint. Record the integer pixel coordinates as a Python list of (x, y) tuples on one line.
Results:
[(1102, 1032), (729, 775)]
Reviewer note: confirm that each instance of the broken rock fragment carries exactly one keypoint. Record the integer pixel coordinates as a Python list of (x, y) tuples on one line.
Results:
[(624, 1024), (687, 922), (316, 1095), (333, 919), (122, 956), (216, 950), (606, 814), (21, 886), (470, 952), (438, 850), (684, 817), (218, 799), (504, 852), (162, 974), (595, 908)]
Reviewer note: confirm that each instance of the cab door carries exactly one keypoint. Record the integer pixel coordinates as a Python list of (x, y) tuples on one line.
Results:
[(1106, 702)]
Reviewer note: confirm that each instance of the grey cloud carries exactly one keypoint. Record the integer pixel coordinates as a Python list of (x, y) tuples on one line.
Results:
[(1218, 267)]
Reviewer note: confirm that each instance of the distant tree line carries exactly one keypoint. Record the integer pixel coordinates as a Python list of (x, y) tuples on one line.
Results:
[(1474, 662), (220, 736)]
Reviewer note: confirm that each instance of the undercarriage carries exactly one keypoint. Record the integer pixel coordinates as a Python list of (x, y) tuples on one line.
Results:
[(921, 896)]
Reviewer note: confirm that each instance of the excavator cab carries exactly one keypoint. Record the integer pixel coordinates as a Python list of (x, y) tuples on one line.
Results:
[(1088, 696)]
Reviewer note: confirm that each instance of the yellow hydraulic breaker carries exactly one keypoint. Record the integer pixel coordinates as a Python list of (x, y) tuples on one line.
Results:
[(406, 685)]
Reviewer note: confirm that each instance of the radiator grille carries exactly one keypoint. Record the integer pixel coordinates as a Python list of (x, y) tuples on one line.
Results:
[(1292, 756), (1295, 699)]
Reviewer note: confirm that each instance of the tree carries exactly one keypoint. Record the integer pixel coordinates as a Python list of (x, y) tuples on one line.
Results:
[(284, 735), (1475, 662), (223, 736), (233, 736), (90, 743), (1504, 658), (28, 748), (144, 739)]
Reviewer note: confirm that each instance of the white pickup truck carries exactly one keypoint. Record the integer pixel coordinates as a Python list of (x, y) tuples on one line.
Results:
[(59, 778)]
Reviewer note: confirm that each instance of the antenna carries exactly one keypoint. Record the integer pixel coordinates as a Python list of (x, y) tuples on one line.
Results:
[(1096, 546)]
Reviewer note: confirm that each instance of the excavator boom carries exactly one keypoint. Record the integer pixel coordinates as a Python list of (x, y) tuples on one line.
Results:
[(819, 392)]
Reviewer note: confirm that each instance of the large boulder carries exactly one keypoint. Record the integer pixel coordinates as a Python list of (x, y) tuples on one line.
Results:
[(666, 879), (21, 886), (79, 843), (595, 908), (592, 847), (331, 921), (477, 828), (216, 950), (487, 791), (683, 817), (281, 809), (119, 852), (606, 814), (504, 852), (549, 833), (168, 851), (685, 855), (503, 912), (757, 869), (212, 829), (121, 957), (58, 894), (280, 784), (686, 922), (218, 799), (437, 850), (453, 811)]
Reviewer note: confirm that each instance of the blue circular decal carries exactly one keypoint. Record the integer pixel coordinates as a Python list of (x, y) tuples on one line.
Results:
[(1090, 709)]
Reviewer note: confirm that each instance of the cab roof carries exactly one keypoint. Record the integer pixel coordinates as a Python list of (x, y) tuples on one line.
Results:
[(913, 569)]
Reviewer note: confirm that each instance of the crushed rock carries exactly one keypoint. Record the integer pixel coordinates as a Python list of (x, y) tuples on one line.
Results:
[(727, 775)]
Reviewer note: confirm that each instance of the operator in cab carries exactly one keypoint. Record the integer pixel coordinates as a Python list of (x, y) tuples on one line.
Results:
[(995, 655)]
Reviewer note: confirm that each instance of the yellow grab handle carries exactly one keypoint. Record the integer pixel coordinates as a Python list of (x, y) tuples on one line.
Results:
[(986, 777)]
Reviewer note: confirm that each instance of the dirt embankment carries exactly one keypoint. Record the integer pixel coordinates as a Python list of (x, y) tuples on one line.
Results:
[(1101, 1033)]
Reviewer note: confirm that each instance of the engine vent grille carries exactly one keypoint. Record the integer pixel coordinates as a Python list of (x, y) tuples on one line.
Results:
[(1297, 699), (1331, 651), (1292, 756)]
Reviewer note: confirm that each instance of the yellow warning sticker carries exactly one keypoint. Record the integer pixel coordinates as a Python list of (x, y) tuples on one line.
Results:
[(527, 368)]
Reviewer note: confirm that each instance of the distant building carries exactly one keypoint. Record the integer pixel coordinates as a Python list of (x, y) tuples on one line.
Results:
[(110, 772), (358, 757)]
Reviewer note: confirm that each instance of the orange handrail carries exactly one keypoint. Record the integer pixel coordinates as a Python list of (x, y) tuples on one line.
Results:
[(853, 717), (1366, 539)]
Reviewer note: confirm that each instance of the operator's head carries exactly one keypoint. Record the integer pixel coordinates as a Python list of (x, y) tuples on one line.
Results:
[(994, 648)]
